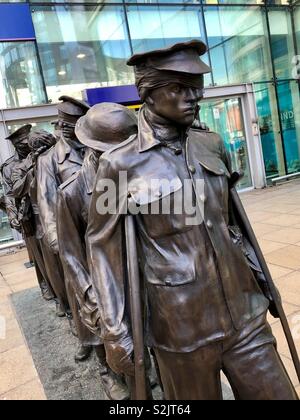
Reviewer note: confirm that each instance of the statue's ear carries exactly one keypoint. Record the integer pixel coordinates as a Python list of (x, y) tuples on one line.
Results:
[(149, 100)]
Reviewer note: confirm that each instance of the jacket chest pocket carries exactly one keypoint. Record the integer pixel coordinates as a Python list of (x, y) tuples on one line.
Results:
[(216, 183), (66, 171), (159, 206)]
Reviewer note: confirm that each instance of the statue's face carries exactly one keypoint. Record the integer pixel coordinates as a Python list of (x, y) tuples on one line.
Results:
[(176, 103), (68, 130), (23, 148)]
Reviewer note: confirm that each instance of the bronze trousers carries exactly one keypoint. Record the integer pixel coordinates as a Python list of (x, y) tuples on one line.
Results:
[(248, 358), (85, 336), (56, 275), (34, 249)]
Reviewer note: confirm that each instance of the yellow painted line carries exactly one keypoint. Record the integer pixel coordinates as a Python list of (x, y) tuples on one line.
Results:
[(134, 106)]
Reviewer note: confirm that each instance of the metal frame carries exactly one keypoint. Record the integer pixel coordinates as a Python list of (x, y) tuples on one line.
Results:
[(246, 93)]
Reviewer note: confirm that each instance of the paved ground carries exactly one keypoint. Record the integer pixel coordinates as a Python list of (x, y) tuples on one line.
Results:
[(275, 214)]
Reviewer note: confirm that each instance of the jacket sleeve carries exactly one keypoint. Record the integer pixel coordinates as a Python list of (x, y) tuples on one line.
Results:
[(106, 254), (72, 249), (11, 207), (47, 199), (21, 178)]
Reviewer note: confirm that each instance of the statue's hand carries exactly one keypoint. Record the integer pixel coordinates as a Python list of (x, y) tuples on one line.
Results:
[(54, 246), (15, 224), (119, 356), (89, 312), (38, 152)]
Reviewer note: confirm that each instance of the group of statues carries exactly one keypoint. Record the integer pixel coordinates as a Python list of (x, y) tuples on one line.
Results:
[(203, 293)]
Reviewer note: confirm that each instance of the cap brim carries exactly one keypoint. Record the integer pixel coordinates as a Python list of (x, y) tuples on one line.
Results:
[(22, 131), (195, 44), (190, 67)]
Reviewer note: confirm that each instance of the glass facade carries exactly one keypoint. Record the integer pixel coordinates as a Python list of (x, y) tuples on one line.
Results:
[(80, 47), (297, 26), (225, 116), (20, 76), (84, 44)]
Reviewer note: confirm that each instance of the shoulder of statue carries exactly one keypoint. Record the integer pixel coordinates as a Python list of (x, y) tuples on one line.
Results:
[(69, 181), (211, 140), (47, 152), (120, 155), (8, 161)]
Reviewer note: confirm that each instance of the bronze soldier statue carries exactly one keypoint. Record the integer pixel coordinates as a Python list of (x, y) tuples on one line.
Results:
[(24, 186), (19, 205), (104, 126), (53, 169), (12, 211), (204, 309)]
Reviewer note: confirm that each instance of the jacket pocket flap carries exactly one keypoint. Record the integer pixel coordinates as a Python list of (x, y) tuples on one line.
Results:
[(214, 164), (145, 192)]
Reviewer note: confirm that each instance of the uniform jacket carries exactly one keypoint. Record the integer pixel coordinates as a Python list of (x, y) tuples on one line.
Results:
[(199, 287), (72, 212), (24, 185), (53, 169), (11, 205)]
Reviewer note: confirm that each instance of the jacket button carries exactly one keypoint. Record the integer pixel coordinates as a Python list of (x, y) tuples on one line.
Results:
[(192, 169), (209, 224), (129, 194), (203, 198)]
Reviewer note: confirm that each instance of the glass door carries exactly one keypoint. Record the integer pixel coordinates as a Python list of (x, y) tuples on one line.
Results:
[(225, 117)]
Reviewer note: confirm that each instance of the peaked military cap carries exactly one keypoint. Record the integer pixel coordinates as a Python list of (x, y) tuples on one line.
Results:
[(70, 109), (20, 134), (182, 57)]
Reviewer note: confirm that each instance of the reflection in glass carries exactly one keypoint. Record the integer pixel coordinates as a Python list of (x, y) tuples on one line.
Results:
[(20, 79), (161, 26), (282, 44), (238, 44), (289, 106), (235, 1), (81, 47), (297, 26), (269, 129), (76, 1), (225, 116), (40, 125)]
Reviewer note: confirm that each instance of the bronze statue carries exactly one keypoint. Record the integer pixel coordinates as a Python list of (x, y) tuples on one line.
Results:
[(25, 186), (6, 168), (204, 308), (104, 126), (53, 169), (19, 205)]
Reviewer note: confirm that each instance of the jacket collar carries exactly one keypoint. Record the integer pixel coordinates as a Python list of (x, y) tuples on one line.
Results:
[(151, 134), (203, 146), (65, 151)]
